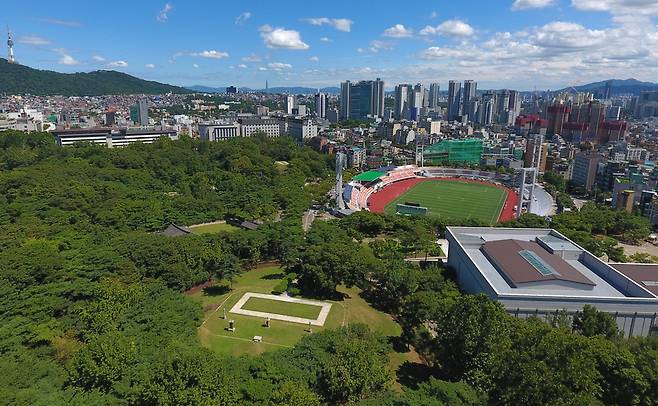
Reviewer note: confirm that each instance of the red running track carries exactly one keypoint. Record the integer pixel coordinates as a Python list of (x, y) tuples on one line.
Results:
[(378, 201)]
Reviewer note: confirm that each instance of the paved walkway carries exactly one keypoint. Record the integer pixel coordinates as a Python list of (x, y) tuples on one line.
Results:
[(322, 317)]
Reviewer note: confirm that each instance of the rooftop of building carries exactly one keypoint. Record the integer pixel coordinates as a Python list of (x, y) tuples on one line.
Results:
[(645, 275), (543, 262), (522, 262)]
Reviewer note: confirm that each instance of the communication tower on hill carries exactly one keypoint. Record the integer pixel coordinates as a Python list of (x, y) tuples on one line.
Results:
[(10, 47)]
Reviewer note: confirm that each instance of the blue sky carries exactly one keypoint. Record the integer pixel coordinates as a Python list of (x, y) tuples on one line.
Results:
[(519, 44)]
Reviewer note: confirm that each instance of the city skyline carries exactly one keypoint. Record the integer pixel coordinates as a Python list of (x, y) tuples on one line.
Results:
[(522, 44)]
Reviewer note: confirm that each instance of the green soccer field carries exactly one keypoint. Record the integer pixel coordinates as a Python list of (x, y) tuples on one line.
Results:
[(455, 200)]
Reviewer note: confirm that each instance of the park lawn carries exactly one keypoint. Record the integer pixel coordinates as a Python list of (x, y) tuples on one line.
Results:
[(455, 200), (213, 334), (212, 228), (303, 310)]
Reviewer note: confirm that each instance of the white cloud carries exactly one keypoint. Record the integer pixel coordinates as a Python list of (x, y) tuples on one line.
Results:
[(278, 66), (211, 54), (195, 65), (314, 59), (242, 18), (377, 45), (360, 50), (440, 53), (117, 64), (98, 58), (618, 7), (262, 68), (33, 40), (282, 38), (65, 58), (398, 31), (434, 14), (150, 66), (163, 15), (55, 21), (242, 66), (325, 39), (252, 58), (341, 24), (528, 4), (450, 28), (566, 35)]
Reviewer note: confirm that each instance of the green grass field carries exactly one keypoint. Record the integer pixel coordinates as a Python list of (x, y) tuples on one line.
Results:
[(455, 200), (303, 310), (213, 334), (212, 228)]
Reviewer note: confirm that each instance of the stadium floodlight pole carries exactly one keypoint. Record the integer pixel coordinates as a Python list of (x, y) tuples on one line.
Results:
[(531, 194), (519, 208), (340, 164)]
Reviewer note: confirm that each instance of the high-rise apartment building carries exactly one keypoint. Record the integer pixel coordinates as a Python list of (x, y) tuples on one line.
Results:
[(468, 94), (454, 99), (487, 108), (419, 96), (291, 103)]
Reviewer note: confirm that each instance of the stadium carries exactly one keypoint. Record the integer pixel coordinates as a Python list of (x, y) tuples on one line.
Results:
[(448, 193)]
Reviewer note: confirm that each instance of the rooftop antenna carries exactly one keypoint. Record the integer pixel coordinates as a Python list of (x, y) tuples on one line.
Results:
[(10, 47)]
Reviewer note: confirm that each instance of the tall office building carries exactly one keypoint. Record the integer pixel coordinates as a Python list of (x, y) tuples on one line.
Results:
[(345, 89), (139, 113), (454, 99), (362, 99), (378, 98), (321, 105), (433, 99), (403, 94)]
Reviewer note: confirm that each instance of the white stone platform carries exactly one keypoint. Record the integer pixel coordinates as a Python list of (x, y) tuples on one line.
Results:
[(322, 317)]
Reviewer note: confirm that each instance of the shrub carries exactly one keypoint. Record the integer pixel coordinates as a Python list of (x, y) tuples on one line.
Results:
[(280, 287)]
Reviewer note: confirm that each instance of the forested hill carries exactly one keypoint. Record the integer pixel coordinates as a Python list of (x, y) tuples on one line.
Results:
[(20, 79)]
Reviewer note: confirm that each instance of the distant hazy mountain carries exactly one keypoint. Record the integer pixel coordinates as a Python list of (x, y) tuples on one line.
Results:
[(628, 86), (20, 79), (290, 90)]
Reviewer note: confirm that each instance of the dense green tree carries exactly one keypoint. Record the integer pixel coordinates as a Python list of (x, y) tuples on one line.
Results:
[(591, 322), (354, 372)]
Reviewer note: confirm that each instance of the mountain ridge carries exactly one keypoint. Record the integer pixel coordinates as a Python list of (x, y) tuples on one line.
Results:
[(21, 79)]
